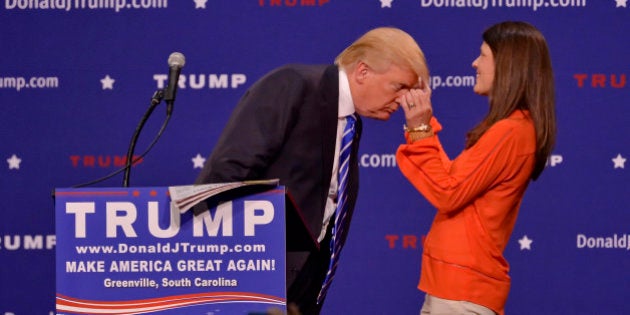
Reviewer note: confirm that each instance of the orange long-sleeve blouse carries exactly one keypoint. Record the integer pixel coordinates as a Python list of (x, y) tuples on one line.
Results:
[(477, 196)]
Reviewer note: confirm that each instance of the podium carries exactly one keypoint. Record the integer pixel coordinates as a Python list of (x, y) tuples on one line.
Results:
[(132, 251)]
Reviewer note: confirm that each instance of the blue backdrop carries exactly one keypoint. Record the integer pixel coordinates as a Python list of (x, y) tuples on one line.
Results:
[(77, 75)]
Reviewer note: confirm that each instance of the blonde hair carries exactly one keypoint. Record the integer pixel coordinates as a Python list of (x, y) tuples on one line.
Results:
[(383, 46)]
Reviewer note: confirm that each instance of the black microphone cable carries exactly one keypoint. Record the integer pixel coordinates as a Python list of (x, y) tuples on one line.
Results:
[(175, 62), (157, 97)]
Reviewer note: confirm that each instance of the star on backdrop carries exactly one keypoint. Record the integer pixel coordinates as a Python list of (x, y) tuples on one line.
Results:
[(108, 83), (200, 4), (619, 161), (14, 162), (386, 3), (198, 161), (525, 242), (621, 3)]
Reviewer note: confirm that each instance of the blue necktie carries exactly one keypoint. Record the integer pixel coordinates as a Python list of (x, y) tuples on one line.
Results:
[(342, 206)]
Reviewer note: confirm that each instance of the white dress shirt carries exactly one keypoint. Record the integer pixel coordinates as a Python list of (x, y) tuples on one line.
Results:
[(346, 108)]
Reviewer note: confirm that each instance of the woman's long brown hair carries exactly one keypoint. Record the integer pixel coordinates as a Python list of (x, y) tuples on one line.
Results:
[(523, 80)]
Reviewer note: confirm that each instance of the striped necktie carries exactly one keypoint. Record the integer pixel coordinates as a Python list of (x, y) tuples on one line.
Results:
[(342, 206)]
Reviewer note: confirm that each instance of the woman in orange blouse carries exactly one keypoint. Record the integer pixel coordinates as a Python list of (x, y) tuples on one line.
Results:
[(477, 195)]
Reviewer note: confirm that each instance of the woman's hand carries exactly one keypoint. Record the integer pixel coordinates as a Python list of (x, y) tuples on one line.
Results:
[(416, 103)]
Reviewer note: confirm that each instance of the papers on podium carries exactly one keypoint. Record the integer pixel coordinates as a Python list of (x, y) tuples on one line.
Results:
[(186, 197)]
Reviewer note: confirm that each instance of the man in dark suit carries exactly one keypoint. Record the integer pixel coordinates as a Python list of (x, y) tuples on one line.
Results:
[(289, 125)]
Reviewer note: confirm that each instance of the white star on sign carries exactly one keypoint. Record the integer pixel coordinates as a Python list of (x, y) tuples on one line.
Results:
[(621, 3), (386, 3), (14, 162), (108, 83), (200, 4), (525, 243), (619, 161), (198, 161)]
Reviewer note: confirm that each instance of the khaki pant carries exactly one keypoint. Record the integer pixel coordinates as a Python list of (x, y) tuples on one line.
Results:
[(437, 306)]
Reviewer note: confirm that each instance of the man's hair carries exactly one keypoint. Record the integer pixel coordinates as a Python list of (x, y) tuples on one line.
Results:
[(383, 46), (523, 80)]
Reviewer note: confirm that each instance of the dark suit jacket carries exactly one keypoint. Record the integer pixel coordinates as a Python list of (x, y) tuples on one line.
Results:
[(285, 127)]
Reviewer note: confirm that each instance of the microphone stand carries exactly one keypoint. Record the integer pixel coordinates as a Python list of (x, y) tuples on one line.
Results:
[(175, 61), (155, 100)]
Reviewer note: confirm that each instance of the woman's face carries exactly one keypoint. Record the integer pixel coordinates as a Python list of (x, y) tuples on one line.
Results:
[(484, 64)]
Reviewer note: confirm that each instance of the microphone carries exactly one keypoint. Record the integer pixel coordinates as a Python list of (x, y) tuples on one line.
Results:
[(176, 62)]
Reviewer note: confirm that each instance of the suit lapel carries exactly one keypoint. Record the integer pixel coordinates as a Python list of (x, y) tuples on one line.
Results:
[(329, 89)]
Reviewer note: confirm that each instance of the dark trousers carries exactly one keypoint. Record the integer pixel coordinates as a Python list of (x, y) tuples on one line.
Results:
[(305, 283)]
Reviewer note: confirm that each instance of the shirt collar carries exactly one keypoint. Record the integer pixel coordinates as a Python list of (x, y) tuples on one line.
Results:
[(346, 105)]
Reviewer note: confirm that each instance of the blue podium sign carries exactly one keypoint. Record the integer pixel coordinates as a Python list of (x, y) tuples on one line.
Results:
[(131, 251)]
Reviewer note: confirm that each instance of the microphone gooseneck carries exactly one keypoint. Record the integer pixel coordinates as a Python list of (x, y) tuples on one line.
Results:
[(175, 62)]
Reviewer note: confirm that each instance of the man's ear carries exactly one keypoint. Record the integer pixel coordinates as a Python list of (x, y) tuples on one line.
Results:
[(361, 72)]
